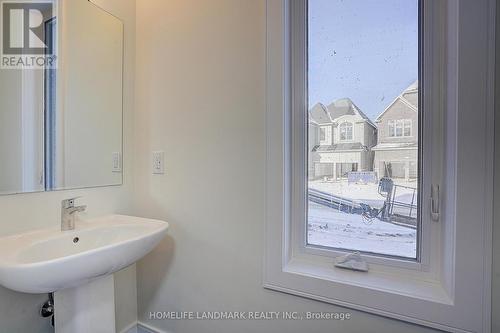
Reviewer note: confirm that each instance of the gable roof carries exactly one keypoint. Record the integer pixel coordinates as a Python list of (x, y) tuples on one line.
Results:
[(342, 107), (409, 97)]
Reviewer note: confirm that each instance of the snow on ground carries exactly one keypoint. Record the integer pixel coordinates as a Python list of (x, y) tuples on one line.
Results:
[(331, 228), (365, 193)]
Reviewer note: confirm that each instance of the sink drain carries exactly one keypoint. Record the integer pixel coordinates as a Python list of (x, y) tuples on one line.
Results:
[(76, 240)]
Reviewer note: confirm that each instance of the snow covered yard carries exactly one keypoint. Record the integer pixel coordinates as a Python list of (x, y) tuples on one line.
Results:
[(330, 228), (365, 193)]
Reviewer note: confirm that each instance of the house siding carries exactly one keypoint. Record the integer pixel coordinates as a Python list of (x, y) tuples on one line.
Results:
[(370, 135), (391, 157), (399, 110)]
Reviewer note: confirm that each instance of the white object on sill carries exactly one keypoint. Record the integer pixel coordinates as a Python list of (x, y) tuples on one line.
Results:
[(352, 261)]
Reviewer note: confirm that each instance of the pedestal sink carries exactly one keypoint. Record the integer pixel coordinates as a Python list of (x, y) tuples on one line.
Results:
[(78, 265)]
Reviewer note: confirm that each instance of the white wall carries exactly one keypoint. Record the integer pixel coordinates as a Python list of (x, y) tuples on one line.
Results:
[(201, 99), (19, 213)]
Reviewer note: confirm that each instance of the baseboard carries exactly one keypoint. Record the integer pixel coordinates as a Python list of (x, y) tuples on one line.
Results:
[(132, 328), (139, 327), (144, 328)]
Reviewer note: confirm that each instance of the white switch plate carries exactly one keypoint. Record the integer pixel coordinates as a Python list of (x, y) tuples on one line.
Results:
[(158, 162), (117, 162)]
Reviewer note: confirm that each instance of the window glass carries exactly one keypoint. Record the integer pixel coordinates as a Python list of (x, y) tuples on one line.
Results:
[(399, 128), (391, 128), (325, 136), (407, 128), (346, 131), (322, 134), (363, 65)]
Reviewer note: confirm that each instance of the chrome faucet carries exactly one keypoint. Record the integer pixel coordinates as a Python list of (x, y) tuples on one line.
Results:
[(68, 211)]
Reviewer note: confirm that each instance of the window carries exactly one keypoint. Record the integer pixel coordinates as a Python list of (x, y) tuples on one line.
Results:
[(350, 212), (325, 135), (392, 128), (429, 281), (345, 132), (407, 128), (322, 134), (400, 128)]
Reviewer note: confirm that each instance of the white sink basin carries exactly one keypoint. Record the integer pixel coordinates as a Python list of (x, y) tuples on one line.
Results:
[(50, 260)]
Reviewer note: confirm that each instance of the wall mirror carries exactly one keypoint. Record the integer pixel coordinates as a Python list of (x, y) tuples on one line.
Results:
[(60, 96)]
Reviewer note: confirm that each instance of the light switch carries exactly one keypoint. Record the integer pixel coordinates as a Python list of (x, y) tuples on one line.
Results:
[(117, 162), (158, 163)]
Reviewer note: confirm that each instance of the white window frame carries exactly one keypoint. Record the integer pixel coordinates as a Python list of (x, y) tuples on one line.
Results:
[(450, 290), (398, 127), (410, 126), (402, 124), (346, 123), (328, 135), (391, 128), (322, 134)]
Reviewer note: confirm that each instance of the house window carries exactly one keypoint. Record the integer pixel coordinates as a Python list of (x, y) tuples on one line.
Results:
[(325, 135), (322, 134), (400, 128), (407, 128), (425, 275), (392, 128), (345, 132)]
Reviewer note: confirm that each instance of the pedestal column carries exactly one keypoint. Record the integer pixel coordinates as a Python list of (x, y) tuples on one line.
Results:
[(87, 308)]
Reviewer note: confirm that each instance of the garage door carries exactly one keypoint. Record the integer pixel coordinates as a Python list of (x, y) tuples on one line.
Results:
[(323, 170), (343, 169), (394, 169)]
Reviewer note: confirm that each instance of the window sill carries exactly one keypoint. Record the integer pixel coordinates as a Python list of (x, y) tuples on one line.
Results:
[(371, 258), (379, 281), (389, 294)]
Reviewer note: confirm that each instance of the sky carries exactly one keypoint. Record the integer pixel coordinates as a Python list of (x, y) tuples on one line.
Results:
[(366, 50)]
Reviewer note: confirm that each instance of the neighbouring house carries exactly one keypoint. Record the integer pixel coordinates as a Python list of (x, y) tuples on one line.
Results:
[(340, 140), (396, 153)]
